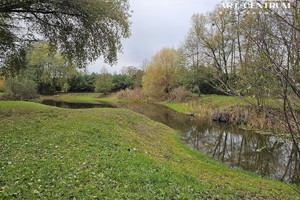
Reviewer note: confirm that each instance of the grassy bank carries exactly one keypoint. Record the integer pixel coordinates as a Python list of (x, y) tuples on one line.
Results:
[(238, 112), (200, 106), (49, 152), (206, 104), (76, 97), (83, 97)]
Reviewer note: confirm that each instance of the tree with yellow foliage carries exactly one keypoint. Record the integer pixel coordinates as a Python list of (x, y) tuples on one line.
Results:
[(162, 74)]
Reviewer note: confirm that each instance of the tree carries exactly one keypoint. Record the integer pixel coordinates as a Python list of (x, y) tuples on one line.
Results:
[(82, 82), (193, 48), (20, 87), (1, 84), (130, 70), (277, 40), (50, 68), (103, 82), (144, 65), (200, 81), (138, 79), (162, 74), (81, 29), (121, 82), (256, 55)]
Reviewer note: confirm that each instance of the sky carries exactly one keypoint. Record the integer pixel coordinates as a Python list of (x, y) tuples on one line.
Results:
[(155, 24)]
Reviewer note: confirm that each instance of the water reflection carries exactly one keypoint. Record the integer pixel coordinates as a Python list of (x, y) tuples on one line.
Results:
[(75, 105), (237, 148), (262, 154)]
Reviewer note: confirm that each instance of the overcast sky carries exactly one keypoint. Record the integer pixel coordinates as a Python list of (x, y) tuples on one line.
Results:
[(155, 24)]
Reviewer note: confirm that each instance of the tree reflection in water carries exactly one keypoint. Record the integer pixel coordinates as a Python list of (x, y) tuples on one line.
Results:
[(247, 150)]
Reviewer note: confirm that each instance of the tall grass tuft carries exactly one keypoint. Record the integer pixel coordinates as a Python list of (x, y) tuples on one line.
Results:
[(132, 94), (179, 94)]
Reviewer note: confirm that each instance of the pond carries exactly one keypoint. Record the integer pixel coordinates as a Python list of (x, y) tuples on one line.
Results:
[(237, 148)]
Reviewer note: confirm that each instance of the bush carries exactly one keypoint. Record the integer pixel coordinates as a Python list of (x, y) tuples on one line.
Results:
[(134, 94), (179, 94), (103, 83), (20, 88)]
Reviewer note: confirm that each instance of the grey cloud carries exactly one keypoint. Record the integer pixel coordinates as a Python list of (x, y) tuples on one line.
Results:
[(156, 24)]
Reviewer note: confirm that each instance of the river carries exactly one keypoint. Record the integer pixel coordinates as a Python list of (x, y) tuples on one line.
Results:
[(262, 154)]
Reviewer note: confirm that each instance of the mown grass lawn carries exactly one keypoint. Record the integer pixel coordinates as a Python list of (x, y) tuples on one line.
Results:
[(49, 152)]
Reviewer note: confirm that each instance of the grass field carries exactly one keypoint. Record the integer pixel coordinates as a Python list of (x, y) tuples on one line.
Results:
[(49, 152)]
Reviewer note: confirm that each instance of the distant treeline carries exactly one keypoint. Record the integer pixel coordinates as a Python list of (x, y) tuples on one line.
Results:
[(46, 71)]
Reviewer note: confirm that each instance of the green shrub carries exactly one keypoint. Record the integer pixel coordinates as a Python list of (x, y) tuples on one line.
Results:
[(103, 83), (20, 88)]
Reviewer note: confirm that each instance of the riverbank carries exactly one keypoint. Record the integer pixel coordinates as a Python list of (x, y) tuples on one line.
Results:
[(235, 111), (83, 97), (206, 104), (212, 107), (50, 152), (75, 97)]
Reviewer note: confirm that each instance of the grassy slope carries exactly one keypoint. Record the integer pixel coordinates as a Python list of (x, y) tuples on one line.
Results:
[(206, 104), (49, 152)]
